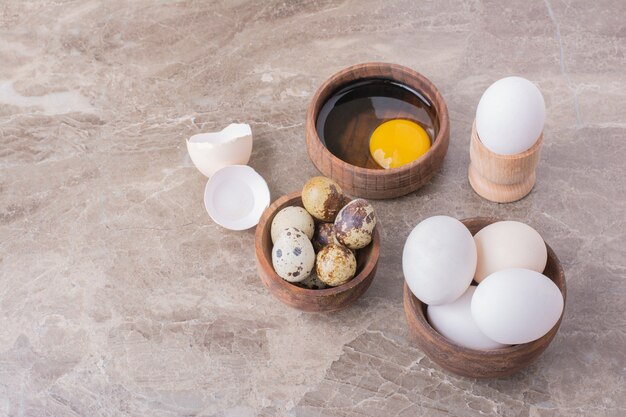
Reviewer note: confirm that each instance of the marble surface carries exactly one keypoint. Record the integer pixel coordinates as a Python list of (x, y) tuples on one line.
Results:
[(120, 297)]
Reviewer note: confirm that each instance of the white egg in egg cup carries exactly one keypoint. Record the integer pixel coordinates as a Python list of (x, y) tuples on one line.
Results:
[(506, 138)]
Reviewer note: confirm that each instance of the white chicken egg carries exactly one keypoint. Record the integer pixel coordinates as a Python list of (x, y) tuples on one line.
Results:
[(454, 321), (509, 244), (293, 256), (515, 306), (510, 116), (212, 151), (439, 260)]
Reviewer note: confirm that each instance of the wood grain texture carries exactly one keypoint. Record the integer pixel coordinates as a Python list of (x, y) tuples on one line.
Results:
[(502, 178), (378, 183), (479, 363), (329, 299)]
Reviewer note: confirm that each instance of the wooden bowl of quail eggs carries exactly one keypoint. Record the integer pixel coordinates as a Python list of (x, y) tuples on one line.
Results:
[(316, 249), (483, 297)]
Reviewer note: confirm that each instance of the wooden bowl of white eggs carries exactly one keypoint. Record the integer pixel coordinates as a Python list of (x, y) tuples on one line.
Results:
[(457, 328)]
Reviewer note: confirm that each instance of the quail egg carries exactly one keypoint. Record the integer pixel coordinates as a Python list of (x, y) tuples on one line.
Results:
[(292, 216), (312, 282), (293, 256), (324, 235), (335, 265), (355, 223), (322, 198)]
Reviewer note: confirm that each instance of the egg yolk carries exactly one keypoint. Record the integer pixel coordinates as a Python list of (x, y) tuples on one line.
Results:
[(398, 142)]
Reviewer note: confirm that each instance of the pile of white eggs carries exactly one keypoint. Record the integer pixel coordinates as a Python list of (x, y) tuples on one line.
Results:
[(513, 302)]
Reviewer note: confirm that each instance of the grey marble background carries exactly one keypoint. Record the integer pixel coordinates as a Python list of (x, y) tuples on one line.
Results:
[(120, 297)]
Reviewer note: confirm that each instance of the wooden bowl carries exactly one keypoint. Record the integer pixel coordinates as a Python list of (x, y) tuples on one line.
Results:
[(502, 178), (328, 299), (479, 363), (378, 183)]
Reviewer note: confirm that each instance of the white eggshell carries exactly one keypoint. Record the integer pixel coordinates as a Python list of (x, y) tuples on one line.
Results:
[(293, 256), (292, 216), (210, 152), (515, 306), (509, 244), (236, 196), (510, 116), (439, 260), (454, 321)]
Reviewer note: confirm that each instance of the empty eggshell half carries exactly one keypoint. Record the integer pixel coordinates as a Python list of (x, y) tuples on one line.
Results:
[(236, 196), (210, 152)]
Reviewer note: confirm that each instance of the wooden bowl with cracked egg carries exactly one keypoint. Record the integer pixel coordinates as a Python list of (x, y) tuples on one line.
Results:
[(479, 363), (379, 183), (312, 300)]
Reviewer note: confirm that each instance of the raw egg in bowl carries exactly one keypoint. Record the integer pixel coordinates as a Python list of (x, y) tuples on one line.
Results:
[(379, 130)]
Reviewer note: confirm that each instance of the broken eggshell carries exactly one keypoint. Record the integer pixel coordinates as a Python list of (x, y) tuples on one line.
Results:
[(212, 151), (236, 196)]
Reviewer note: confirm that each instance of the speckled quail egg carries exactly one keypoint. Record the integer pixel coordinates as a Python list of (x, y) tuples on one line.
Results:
[(335, 265), (293, 256), (292, 216), (322, 198), (312, 282), (355, 223), (324, 235)]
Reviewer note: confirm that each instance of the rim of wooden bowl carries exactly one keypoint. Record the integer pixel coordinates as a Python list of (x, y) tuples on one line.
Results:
[(379, 70), (532, 350), (265, 263)]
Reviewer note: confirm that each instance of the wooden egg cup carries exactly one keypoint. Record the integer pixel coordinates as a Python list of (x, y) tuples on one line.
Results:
[(322, 300), (502, 178), (475, 363), (378, 183)]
